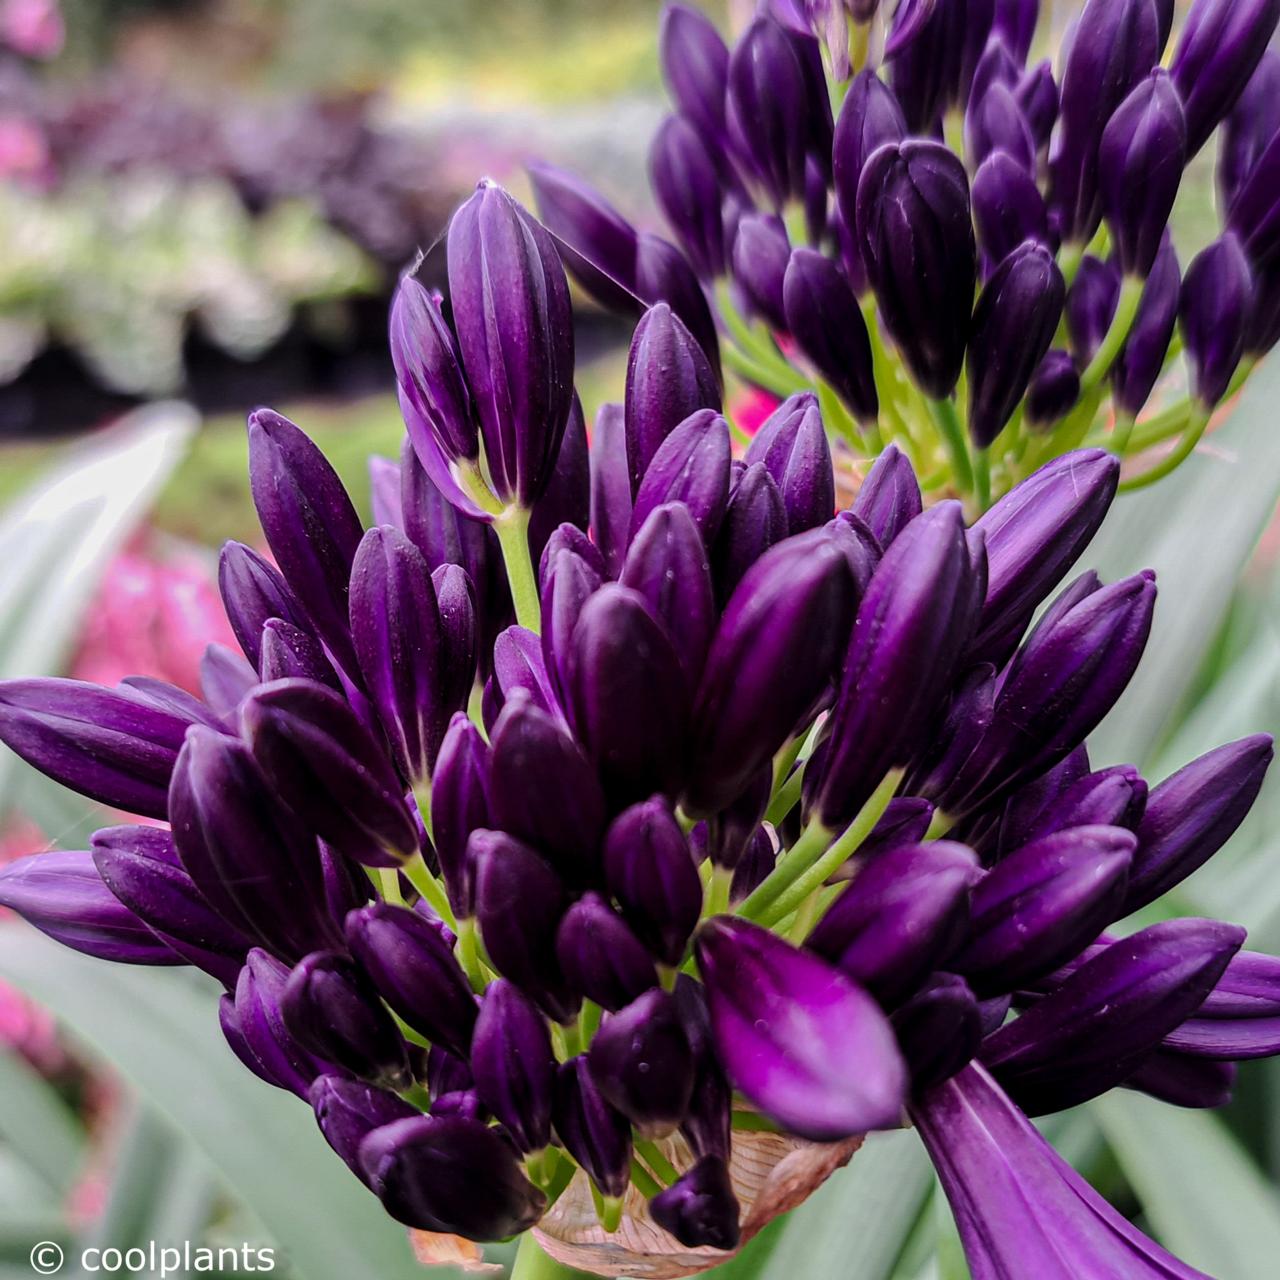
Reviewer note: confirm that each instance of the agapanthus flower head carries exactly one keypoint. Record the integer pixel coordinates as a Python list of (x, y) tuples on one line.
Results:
[(950, 151), (771, 810)]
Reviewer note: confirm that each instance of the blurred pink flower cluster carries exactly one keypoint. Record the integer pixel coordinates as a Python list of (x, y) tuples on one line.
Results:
[(33, 28)]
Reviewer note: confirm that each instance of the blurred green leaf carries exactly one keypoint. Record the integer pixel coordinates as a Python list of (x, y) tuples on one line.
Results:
[(159, 1029), (37, 1126), (1208, 1202), (1197, 529)]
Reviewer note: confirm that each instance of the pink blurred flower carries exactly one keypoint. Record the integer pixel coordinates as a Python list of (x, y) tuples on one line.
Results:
[(751, 407), (33, 28), (24, 152), (154, 615)]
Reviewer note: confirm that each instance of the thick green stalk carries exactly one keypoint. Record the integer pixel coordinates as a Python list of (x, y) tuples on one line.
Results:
[(952, 433), (512, 527), (419, 875), (533, 1264), (1166, 466)]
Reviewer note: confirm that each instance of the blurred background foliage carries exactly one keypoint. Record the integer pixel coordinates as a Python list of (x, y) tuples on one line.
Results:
[(211, 199)]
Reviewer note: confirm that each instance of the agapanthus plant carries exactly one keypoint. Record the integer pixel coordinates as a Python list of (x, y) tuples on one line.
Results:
[(956, 251), (613, 835)]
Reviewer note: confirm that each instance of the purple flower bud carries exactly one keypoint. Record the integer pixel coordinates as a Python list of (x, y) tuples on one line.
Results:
[(934, 50), (568, 583), (911, 628), (904, 913), (1008, 208), (695, 67), (754, 521), (411, 966), (786, 1027), (1141, 362), (1114, 47), (1254, 213), (1115, 797), (1015, 25), (917, 240), (1222, 43), (1185, 1082), (667, 565), (663, 274), (761, 254), (668, 379), (544, 792), (889, 498), (348, 1110), (651, 874), (599, 955), (63, 895), (1063, 681), (611, 486), (1193, 813), (330, 1008), (1091, 306), (321, 761), (441, 417), (249, 856), (598, 245), (990, 1157), (310, 525), (1217, 297), (1038, 906), (567, 498), (252, 593), (1249, 129), (519, 667), (1013, 327), (707, 1125), (1234, 1040), (1140, 162), (395, 627), (288, 652), (824, 318), (514, 1066), (113, 745), (1264, 317), (691, 466), (255, 1030), (905, 822), (1037, 94), (1250, 988), (596, 1135), (426, 1171), (939, 1030), (777, 106), (682, 172), (225, 679), (869, 118), (642, 1063), (792, 444), (1089, 1034), (700, 1209), (994, 122), (1054, 391), (385, 500), (792, 611), (570, 538), (519, 904), (459, 805), (139, 866), (1034, 535), (631, 717), (757, 860), (514, 324)]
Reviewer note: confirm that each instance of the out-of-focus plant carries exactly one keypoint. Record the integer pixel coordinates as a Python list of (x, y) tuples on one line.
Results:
[(118, 267)]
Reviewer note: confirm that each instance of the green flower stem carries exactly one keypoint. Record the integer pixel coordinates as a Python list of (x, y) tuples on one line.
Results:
[(1116, 336), (982, 478), (760, 376), (952, 433), (643, 1180), (814, 839), (717, 896), (752, 338), (1173, 421), (533, 1264), (661, 1167), (753, 1122), (468, 955), (1070, 256), (589, 1021), (388, 883), (1196, 425), (419, 875), (805, 918), (1122, 434), (785, 797), (939, 826), (859, 45), (512, 527), (806, 880)]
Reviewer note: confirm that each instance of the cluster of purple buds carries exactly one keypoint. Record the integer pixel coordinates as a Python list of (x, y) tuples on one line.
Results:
[(970, 255), (763, 815)]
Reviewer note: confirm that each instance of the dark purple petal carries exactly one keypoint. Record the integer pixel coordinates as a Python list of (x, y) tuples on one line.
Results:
[(690, 466), (1008, 208), (459, 805), (695, 67), (700, 1208), (1217, 298), (939, 1030), (761, 253), (592, 1131), (754, 521), (514, 1065), (253, 592), (348, 1110), (611, 492), (682, 173), (1054, 391), (787, 1025), (567, 499), (1138, 367), (288, 652), (889, 498)]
